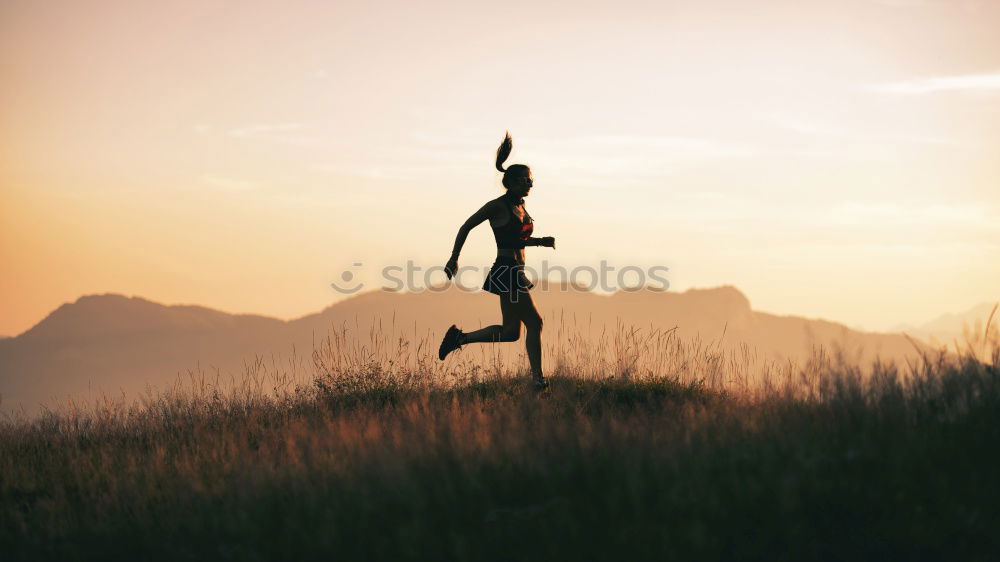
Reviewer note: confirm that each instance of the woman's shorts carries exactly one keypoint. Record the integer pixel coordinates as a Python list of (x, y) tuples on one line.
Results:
[(507, 277)]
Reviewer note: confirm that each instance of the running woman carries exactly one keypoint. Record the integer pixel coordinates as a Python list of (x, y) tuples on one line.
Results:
[(512, 228)]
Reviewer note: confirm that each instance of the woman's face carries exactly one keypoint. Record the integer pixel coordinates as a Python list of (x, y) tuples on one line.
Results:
[(520, 184)]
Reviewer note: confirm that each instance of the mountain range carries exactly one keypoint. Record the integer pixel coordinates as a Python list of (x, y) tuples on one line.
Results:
[(113, 343)]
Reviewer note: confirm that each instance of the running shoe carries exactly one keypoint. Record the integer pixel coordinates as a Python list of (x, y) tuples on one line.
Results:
[(452, 341)]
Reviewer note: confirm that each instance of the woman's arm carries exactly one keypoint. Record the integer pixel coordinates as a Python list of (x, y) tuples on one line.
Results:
[(475, 220), (547, 241)]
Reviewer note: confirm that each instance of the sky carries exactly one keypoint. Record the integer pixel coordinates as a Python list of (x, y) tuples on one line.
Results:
[(834, 159)]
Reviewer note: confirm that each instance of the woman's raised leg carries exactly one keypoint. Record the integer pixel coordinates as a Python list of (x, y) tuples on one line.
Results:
[(509, 331)]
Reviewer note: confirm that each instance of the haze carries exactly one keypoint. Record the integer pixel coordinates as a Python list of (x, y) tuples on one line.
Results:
[(831, 159)]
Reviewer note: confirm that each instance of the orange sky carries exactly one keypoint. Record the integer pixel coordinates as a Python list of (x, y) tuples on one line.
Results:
[(831, 159)]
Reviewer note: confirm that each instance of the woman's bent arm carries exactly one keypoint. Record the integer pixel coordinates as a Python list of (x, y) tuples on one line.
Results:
[(475, 220), (463, 232)]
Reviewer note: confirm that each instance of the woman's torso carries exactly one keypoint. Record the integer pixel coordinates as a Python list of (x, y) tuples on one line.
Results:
[(512, 228)]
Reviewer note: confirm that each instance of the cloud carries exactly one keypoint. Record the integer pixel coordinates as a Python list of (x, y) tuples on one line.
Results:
[(251, 131), (277, 132), (964, 83), (228, 183), (629, 159), (903, 214), (860, 136)]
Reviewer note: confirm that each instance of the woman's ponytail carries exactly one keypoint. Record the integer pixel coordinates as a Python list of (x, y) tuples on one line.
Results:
[(504, 151)]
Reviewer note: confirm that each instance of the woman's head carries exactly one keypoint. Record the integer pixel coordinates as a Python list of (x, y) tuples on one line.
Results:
[(516, 177)]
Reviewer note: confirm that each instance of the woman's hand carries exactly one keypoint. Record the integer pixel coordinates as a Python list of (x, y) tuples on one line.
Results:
[(548, 242), (451, 267)]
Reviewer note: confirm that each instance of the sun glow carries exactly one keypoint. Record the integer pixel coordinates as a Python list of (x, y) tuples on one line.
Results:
[(828, 159)]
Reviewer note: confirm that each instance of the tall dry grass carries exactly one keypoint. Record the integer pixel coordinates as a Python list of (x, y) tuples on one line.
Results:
[(646, 446)]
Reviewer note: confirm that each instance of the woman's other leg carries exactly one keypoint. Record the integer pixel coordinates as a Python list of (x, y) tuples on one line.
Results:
[(533, 331)]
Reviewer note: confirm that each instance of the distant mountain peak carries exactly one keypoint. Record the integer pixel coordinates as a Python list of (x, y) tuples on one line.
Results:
[(73, 316), (106, 297), (110, 314), (727, 293)]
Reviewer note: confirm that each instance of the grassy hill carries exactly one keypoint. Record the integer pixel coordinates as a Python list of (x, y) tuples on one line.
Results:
[(380, 457)]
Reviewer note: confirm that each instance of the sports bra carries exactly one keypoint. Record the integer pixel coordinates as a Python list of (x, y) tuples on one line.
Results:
[(514, 233)]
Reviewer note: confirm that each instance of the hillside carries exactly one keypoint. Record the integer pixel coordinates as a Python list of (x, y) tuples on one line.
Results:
[(834, 466)]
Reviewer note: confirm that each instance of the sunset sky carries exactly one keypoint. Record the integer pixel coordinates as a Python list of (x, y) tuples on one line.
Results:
[(836, 159)]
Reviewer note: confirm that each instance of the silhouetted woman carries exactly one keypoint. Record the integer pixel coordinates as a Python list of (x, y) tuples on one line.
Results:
[(512, 228)]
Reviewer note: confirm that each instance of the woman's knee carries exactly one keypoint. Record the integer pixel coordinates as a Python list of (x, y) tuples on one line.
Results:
[(533, 324)]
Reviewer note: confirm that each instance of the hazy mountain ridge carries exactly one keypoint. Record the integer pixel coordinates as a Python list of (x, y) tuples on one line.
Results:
[(108, 343), (950, 327)]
